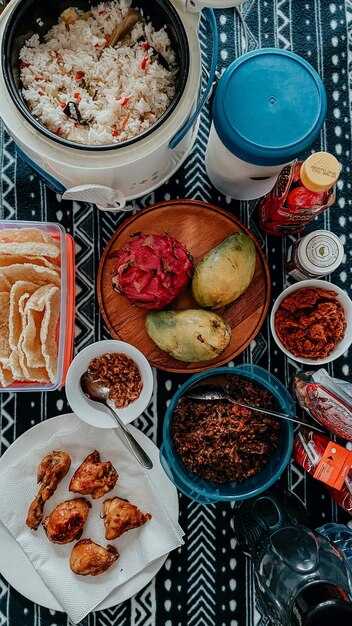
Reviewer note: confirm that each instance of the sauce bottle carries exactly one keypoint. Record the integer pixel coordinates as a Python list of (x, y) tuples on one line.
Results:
[(314, 256), (302, 191)]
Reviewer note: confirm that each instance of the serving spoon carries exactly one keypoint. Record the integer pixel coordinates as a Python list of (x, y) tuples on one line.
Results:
[(215, 392), (96, 392)]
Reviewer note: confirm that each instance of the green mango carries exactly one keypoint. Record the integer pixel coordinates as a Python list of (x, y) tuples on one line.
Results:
[(225, 272), (189, 335)]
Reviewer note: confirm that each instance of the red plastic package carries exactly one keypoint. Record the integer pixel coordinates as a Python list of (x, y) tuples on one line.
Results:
[(328, 400), (308, 450)]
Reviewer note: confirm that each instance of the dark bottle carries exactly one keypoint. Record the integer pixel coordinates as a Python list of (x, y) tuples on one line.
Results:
[(302, 579)]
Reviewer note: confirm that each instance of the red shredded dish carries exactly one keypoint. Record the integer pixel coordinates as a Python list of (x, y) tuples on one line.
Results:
[(310, 322)]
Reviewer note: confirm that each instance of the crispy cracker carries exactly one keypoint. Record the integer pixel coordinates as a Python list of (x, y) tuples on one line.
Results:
[(30, 342), (32, 374), (15, 360), (34, 273), (16, 259), (26, 235), (6, 377), (31, 249), (16, 368), (48, 332), (5, 349), (22, 289), (5, 284)]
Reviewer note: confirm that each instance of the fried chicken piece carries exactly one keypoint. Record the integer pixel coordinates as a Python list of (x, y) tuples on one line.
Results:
[(51, 470), (65, 523), (87, 557), (120, 516), (93, 477)]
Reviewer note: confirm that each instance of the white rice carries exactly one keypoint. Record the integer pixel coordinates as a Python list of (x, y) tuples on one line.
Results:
[(123, 90)]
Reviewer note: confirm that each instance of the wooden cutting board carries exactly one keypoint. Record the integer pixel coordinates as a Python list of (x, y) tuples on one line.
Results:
[(200, 227)]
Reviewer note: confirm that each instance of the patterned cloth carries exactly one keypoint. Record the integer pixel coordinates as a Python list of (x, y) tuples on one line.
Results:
[(208, 581)]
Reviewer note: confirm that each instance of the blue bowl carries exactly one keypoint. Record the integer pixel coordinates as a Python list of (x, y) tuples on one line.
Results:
[(205, 491)]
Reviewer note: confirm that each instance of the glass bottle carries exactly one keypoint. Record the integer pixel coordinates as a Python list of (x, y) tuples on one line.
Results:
[(302, 578), (302, 191), (314, 256)]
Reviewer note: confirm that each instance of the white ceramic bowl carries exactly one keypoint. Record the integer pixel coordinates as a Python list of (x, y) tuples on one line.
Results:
[(342, 296), (93, 413)]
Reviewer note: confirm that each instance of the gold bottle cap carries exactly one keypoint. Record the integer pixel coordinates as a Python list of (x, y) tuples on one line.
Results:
[(320, 171)]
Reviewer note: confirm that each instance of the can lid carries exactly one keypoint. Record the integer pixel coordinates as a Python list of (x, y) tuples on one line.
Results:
[(320, 252), (269, 106), (320, 171)]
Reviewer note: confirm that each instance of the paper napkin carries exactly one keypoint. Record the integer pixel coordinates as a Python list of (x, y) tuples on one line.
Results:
[(78, 595)]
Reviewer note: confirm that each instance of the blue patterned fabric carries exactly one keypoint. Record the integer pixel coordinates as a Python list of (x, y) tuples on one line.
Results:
[(209, 581)]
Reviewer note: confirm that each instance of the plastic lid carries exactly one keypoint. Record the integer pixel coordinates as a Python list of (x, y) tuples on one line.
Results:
[(269, 106), (320, 171), (320, 251)]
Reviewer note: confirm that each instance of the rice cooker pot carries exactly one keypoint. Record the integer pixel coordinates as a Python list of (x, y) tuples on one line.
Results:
[(112, 175), (31, 17)]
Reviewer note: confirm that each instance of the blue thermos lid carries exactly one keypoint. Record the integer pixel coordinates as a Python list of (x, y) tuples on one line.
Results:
[(269, 106)]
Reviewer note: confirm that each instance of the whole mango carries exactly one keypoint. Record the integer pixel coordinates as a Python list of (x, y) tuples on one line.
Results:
[(189, 335), (225, 272)]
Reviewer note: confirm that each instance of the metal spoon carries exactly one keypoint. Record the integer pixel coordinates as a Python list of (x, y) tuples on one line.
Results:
[(213, 392), (96, 392)]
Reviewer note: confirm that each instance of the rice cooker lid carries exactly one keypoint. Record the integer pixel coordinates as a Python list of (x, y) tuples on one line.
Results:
[(269, 106)]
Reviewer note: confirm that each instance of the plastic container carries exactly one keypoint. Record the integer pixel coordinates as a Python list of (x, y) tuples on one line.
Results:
[(207, 492), (341, 537), (65, 330), (269, 106)]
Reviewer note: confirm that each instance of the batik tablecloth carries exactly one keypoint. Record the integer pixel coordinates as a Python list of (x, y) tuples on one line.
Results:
[(208, 581)]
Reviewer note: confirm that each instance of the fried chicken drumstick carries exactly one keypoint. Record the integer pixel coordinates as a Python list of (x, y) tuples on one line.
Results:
[(51, 470), (87, 557)]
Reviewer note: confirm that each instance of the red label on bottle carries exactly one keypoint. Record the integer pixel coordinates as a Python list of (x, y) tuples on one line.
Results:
[(289, 207)]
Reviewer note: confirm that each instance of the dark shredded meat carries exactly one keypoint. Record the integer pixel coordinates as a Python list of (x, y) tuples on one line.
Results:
[(222, 442)]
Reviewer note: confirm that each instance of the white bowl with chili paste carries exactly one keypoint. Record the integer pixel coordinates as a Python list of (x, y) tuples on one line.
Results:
[(120, 366), (311, 322)]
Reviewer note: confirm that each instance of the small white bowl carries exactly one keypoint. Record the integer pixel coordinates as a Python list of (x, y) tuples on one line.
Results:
[(342, 296), (96, 414)]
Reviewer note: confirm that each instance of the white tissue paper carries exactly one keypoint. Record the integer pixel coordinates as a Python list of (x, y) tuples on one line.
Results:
[(78, 595)]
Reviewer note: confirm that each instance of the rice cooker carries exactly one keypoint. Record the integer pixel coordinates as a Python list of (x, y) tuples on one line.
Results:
[(109, 175)]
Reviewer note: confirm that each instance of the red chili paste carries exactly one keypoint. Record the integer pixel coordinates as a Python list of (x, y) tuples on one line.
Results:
[(310, 322)]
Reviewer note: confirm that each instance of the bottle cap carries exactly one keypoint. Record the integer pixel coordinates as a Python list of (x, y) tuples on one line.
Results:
[(320, 252), (320, 171), (333, 612), (261, 115), (321, 604)]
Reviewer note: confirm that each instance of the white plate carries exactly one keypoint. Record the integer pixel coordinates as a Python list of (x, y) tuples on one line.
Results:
[(93, 413), (16, 567)]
